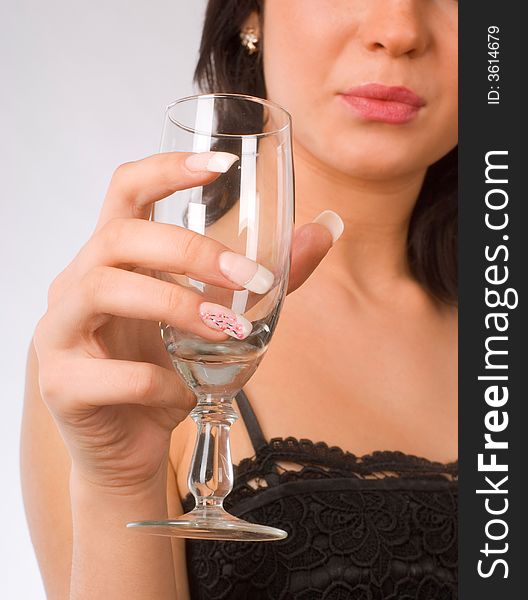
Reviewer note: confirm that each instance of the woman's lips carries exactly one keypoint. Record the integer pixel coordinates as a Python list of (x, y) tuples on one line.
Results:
[(376, 102)]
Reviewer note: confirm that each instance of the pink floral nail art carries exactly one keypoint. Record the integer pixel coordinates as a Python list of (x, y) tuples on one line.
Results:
[(221, 318)]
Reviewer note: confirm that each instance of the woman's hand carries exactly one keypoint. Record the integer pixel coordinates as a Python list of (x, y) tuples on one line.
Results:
[(103, 370)]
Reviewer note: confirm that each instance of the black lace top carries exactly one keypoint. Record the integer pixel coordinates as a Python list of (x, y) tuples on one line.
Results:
[(376, 527)]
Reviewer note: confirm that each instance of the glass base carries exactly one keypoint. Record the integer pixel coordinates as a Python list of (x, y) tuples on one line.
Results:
[(211, 523)]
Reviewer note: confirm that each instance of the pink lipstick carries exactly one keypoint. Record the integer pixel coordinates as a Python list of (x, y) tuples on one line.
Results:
[(388, 104)]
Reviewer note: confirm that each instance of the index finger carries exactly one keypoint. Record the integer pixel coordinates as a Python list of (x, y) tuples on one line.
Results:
[(136, 185)]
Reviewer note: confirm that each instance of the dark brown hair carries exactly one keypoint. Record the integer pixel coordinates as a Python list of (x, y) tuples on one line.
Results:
[(225, 66)]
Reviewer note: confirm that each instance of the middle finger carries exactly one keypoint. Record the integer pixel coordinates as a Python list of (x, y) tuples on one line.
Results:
[(129, 243)]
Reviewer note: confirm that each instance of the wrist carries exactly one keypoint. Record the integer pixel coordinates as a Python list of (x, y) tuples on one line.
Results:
[(118, 489), (98, 505), (110, 560)]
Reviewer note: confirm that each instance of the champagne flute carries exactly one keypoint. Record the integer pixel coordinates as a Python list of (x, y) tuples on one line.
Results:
[(250, 209)]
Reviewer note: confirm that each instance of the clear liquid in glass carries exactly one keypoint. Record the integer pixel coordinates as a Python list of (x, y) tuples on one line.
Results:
[(219, 368)]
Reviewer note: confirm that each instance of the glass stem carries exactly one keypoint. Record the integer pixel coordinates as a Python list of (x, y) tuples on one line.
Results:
[(211, 473)]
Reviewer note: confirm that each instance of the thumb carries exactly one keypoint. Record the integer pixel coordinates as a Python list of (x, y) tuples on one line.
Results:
[(311, 243)]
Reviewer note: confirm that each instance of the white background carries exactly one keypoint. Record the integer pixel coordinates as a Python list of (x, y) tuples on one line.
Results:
[(83, 89)]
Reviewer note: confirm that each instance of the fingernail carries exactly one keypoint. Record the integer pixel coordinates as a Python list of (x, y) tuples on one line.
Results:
[(221, 318), (246, 272), (215, 162), (333, 222)]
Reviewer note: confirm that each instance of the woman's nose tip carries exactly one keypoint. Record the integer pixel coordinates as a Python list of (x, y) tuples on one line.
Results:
[(398, 32)]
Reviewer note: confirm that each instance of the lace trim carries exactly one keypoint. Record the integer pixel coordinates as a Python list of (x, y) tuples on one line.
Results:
[(317, 460), (378, 464)]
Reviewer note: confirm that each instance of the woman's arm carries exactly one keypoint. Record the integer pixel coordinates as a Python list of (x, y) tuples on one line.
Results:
[(110, 560)]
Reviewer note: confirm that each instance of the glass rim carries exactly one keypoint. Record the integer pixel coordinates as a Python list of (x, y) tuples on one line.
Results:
[(255, 99)]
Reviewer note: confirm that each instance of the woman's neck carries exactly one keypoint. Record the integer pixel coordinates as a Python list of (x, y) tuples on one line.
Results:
[(372, 250)]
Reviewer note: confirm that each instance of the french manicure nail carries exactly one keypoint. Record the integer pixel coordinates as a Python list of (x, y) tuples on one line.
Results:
[(223, 319), (215, 162), (246, 272), (333, 222)]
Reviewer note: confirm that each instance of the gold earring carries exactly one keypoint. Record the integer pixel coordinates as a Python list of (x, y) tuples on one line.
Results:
[(249, 40)]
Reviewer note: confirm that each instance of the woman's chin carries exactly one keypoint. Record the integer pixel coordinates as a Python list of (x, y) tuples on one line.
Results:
[(362, 156), (375, 168)]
